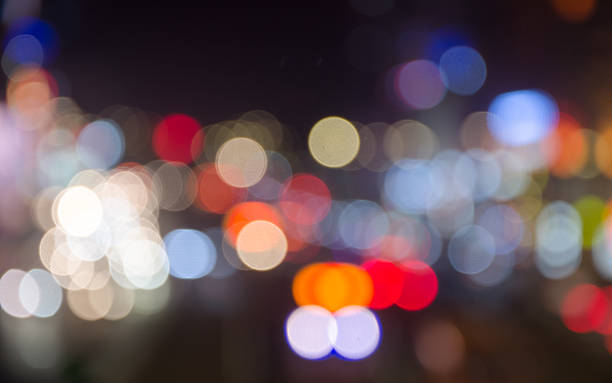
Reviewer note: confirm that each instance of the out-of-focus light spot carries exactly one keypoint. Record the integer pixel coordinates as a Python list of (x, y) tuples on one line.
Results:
[(419, 84), (372, 8), (487, 173), (214, 195), (173, 138), (514, 175), (42, 208), (522, 117), (311, 332), (190, 252), (10, 299), (277, 172), (90, 305), (332, 286), (42, 31), (410, 188), (440, 347), (261, 245), (175, 185), (387, 280), (358, 332), (463, 70), (505, 226), (566, 148), (574, 11), (584, 308), (244, 213), (603, 152), (100, 145), (305, 199), (223, 268), (48, 297), (333, 142), (363, 224), (123, 303), (22, 50), (420, 286), (144, 263), (79, 211), (591, 211), (371, 154), (241, 162), (409, 139), (602, 251), (149, 302), (475, 132), (471, 250), (558, 244)]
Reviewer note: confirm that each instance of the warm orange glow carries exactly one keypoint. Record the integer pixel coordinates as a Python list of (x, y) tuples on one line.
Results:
[(214, 195), (246, 212), (574, 10), (566, 148), (603, 152), (332, 286)]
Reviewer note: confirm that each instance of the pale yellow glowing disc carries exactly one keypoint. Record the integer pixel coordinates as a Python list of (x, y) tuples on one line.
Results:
[(241, 162), (333, 142), (261, 245)]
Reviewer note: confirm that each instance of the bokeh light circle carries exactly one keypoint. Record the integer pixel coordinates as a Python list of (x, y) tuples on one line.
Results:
[(190, 252), (333, 142)]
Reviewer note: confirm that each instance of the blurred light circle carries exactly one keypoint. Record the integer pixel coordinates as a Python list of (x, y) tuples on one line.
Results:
[(305, 199), (175, 186), (358, 332), (363, 224), (475, 133), (566, 148), (79, 211), (100, 144), (591, 210), (214, 195), (333, 142), (90, 305), (243, 213), (173, 138), (471, 250), (311, 332), (22, 50), (488, 173), (241, 162), (522, 117), (410, 187), (409, 139), (48, 297), (332, 286), (123, 303), (277, 172), (387, 280), (463, 70), (440, 347), (144, 262), (558, 235), (602, 251), (261, 245), (419, 84), (10, 297), (190, 252), (584, 308), (420, 286), (574, 11), (505, 226)]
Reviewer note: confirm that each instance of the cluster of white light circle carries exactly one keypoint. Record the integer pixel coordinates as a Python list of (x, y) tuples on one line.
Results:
[(313, 332)]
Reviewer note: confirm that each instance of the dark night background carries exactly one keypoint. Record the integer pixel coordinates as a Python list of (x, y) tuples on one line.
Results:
[(216, 61)]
